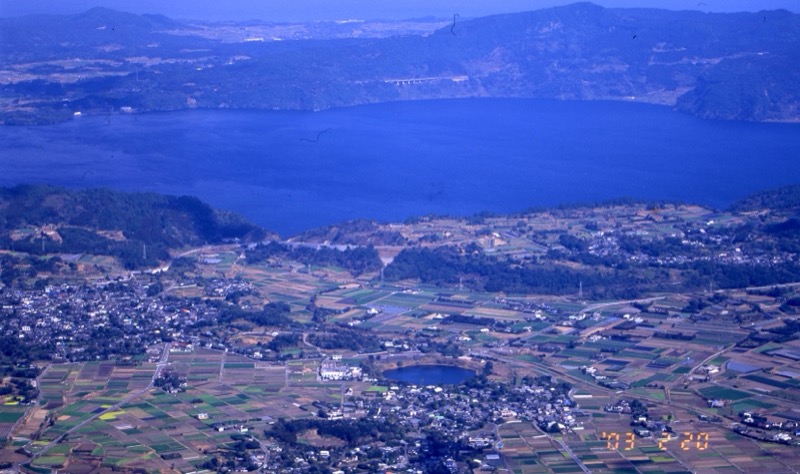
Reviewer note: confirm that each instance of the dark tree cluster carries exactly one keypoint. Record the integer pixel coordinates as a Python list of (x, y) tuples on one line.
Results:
[(156, 221), (451, 265), (18, 270), (21, 389), (14, 350), (345, 338), (351, 432), (356, 260), (284, 341), (170, 381), (790, 330), (476, 320), (741, 276), (272, 314), (781, 198)]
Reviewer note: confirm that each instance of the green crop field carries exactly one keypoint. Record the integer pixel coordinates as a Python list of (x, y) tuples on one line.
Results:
[(723, 393), (10, 414)]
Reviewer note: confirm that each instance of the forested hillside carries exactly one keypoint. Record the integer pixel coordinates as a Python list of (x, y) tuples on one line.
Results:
[(742, 66), (139, 228)]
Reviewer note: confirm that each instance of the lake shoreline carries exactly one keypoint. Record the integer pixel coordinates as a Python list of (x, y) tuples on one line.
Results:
[(291, 171)]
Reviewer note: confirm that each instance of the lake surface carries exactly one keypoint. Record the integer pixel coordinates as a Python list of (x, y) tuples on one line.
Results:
[(291, 171), (430, 374)]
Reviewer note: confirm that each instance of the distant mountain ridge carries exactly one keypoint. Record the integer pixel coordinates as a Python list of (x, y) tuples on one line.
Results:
[(743, 66)]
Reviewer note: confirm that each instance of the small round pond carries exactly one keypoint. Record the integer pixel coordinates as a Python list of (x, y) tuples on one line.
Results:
[(430, 374)]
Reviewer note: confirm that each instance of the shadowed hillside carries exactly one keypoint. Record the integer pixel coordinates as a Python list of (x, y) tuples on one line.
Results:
[(743, 66), (138, 228)]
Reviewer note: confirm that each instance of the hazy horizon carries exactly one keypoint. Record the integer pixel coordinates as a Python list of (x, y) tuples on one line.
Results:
[(321, 10)]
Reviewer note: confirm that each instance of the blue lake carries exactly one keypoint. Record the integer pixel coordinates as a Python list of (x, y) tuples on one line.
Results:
[(291, 171), (430, 374)]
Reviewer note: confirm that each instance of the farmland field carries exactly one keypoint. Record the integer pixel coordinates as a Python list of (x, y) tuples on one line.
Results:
[(231, 390)]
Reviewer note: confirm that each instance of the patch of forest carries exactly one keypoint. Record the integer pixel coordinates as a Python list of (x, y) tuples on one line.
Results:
[(448, 265), (776, 199), (356, 260), (40, 219)]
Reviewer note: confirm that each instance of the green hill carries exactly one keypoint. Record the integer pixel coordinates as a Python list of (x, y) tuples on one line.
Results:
[(138, 228), (784, 198)]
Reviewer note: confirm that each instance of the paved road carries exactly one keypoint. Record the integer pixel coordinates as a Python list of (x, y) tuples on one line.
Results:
[(159, 367), (595, 307), (709, 358), (570, 453), (765, 287)]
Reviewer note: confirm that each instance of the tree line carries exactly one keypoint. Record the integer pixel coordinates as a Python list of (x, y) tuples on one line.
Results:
[(156, 221), (356, 260)]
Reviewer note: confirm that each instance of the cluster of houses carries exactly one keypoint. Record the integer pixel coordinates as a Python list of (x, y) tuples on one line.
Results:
[(72, 318), (463, 413), (768, 429), (107, 319)]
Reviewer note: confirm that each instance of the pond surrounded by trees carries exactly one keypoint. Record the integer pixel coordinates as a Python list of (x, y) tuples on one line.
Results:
[(430, 374)]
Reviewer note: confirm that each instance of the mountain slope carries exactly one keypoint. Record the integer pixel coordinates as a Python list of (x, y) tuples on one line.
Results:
[(46, 219), (743, 66)]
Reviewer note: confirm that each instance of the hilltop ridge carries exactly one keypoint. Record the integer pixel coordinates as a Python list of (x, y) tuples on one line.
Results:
[(742, 66), (138, 228)]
